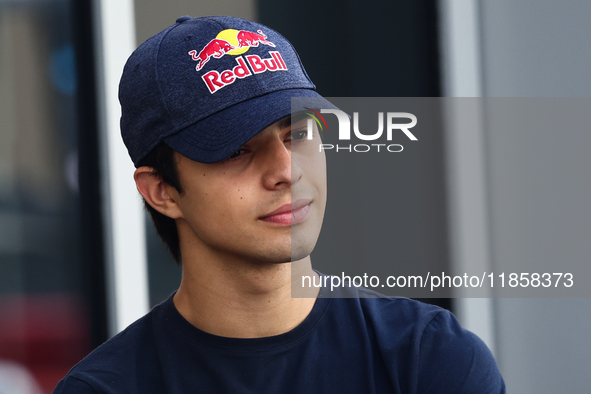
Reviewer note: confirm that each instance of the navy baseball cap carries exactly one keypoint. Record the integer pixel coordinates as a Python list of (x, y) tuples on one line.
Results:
[(206, 86)]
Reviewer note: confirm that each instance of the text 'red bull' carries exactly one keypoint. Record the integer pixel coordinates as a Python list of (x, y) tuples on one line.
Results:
[(216, 80)]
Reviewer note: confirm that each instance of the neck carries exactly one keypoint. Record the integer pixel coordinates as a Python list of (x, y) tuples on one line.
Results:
[(243, 300)]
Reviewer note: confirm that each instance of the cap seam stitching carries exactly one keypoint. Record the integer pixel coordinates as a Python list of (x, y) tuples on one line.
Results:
[(156, 71), (180, 128), (176, 127)]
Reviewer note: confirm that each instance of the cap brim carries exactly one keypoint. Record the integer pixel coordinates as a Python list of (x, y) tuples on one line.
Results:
[(216, 137)]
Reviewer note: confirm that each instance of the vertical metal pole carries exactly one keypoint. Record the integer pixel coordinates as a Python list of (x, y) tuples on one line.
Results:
[(125, 244), (465, 158)]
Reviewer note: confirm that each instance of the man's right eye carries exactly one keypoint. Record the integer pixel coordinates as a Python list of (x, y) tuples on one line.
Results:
[(236, 154)]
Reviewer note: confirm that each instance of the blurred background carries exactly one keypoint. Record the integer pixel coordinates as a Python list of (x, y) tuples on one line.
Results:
[(78, 262)]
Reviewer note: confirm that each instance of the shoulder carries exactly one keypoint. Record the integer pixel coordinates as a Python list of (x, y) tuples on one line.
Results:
[(71, 385), (114, 366), (385, 312), (451, 356), (427, 346)]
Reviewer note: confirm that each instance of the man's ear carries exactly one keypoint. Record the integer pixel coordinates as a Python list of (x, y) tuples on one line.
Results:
[(156, 192)]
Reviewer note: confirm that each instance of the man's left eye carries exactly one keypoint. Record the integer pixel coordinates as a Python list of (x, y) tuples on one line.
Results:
[(298, 135)]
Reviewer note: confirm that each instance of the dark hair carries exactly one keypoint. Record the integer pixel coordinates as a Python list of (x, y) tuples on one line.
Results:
[(161, 159)]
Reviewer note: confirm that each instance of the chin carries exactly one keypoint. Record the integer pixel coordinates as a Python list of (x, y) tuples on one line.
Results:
[(303, 240), (291, 255), (293, 247), (302, 248), (287, 255)]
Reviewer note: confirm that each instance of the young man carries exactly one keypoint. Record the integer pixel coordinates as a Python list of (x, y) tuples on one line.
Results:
[(238, 193)]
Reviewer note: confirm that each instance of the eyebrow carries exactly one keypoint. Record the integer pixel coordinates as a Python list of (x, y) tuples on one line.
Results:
[(284, 123)]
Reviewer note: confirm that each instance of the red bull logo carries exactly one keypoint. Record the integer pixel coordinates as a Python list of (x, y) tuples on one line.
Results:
[(229, 41), (236, 42)]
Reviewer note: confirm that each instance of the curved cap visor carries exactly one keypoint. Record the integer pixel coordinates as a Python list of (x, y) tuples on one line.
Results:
[(218, 136)]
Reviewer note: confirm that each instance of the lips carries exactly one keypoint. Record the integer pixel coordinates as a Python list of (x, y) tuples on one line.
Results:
[(289, 214)]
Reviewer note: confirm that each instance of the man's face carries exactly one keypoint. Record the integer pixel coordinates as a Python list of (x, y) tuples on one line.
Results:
[(264, 204)]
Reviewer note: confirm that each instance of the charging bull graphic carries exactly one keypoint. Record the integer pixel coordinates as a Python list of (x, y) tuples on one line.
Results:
[(248, 39), (229, 41), (216, 48)]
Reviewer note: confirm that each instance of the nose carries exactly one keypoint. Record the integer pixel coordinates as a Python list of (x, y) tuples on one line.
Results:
[(279, 169)]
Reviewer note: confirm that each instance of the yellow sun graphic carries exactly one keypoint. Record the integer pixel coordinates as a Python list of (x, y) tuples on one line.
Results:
[(230, 36)]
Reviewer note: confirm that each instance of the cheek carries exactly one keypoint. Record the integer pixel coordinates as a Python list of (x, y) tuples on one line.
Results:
[(219, 206), (314, 167), (308, 156)]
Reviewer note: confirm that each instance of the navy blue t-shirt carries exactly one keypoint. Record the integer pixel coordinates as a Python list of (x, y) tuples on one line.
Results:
[(345, 345)]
